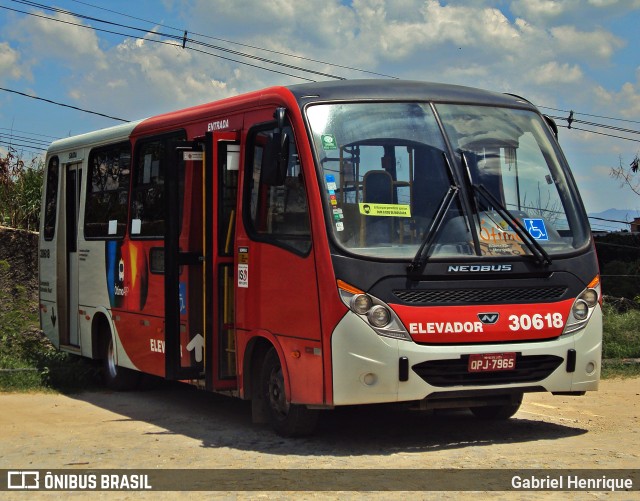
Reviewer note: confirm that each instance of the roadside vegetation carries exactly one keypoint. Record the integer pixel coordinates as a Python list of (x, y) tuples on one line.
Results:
[(28, 361)]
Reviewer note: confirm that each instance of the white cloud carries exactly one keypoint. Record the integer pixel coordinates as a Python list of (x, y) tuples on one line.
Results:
[(586, 44), (10, 65), (562, 10), (59, 40), (556, 73), (624, 102)]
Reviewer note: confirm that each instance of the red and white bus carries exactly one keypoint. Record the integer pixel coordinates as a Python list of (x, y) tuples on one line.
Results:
[(324, 245)]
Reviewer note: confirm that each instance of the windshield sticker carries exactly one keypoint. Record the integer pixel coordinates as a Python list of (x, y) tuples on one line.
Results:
[(391, 210), (340, 226), (328, 142), (536, 228)]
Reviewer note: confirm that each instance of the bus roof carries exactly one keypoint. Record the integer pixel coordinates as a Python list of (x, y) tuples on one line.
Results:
[(338, 90), (401, 90), (103, 136)]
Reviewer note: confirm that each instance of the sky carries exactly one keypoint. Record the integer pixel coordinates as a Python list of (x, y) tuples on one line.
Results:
[(562, 55)]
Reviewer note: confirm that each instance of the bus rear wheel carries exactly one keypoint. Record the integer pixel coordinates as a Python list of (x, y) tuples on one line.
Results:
[(498, 412), (116, 377), (287, 419)]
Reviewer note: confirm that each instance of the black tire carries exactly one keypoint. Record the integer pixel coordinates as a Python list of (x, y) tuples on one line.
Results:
[(498, 412), (115, 377), (287, 419)]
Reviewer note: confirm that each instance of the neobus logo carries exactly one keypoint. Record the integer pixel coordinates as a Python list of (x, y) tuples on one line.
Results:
[(475, 268)]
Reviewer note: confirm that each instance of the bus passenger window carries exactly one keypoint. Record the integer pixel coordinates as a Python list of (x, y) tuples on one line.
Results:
[(107, 191), (278, 213), (51, 199), (147, 199)]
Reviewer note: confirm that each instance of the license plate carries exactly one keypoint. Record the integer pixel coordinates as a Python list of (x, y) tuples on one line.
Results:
[(492, 362)]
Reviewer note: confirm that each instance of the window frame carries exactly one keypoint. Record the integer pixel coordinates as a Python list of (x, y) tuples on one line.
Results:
[(89, 193), (51, 197), (248, 220), (166, 138)]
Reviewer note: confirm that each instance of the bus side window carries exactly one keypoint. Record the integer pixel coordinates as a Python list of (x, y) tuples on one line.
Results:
[(107, 191), (147, 200), (277, 213), (51, 199)]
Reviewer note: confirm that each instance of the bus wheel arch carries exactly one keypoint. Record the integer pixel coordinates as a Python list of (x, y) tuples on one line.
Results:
[(286, 418), (114, 376)]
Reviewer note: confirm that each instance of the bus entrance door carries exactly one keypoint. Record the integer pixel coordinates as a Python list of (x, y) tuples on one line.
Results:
[(222, 166), (183, 264)]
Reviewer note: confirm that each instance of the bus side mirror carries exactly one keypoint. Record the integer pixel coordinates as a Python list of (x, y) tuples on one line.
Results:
[(552, 124), (276, 154)]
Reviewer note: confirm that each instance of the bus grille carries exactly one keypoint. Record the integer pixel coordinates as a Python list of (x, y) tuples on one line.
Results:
[(502, 295), (444, 373)]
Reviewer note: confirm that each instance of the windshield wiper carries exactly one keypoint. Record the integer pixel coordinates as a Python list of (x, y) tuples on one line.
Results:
[(541, 256), (419, 261)]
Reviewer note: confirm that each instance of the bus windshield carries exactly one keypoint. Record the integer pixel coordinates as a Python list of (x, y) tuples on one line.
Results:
[(392, 185)]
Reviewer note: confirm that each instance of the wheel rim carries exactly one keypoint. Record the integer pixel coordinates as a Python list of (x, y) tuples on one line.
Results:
[(277, 398), (111, 360)]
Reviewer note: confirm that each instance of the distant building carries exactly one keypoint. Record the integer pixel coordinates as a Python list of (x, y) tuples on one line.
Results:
[(635, 225)]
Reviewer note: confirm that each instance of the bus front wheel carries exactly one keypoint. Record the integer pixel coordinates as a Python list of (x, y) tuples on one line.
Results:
[(287, 419), (116, 377)]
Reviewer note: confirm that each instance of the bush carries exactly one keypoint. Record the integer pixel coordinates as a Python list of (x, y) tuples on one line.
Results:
[(621, 336), (20, 189)]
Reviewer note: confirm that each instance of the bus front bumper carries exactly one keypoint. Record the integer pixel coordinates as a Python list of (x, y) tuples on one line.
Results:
[(368, 368)]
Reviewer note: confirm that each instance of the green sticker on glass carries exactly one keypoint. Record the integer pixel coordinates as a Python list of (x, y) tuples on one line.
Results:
[(328, 142)]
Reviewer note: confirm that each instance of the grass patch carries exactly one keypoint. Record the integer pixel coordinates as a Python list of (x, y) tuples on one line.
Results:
[(621, 336), (28, 360), (612, 369)]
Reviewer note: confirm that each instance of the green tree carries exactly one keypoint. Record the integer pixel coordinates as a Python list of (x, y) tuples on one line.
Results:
[(20, 190)]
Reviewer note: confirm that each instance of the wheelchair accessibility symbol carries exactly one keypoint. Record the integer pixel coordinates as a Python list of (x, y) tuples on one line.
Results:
[(536, 228)]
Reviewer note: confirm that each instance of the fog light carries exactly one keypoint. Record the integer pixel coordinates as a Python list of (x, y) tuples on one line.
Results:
[(369, 379), (590, 368), (580, 309), (361, 304), (379, 316)]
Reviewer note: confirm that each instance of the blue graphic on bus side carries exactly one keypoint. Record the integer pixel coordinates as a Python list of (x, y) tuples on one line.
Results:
[(536, 228), (183, 298)]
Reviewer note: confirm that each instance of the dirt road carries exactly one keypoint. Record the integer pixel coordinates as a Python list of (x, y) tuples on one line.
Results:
[(178, 427)]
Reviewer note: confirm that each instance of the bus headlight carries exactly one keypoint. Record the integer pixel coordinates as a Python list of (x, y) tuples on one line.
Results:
[(583, 307), (361, 304), (379, 316), (376, 313), (580, 309)]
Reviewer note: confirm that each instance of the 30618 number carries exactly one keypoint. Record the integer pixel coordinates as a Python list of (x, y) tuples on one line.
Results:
[(535, 322)]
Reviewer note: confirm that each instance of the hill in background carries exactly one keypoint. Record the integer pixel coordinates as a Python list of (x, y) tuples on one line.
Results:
[(611, 219)]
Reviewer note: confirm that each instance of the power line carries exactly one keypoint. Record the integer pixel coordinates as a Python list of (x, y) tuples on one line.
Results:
[(37, 142), (570, 121), (182, 39), (589, 115), (16, 146), (281, 53), (30, 133), (600, 133), (63, 105)]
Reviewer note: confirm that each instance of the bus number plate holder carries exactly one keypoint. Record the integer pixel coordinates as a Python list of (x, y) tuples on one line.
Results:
[(492, 362)]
